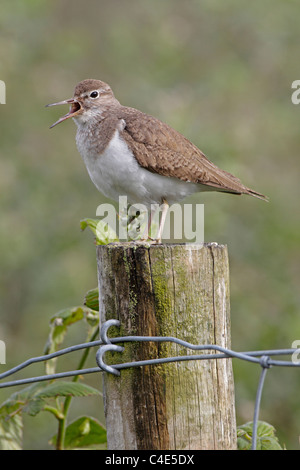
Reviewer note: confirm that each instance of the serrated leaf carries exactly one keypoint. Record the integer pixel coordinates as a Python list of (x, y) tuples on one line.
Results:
[(22, 396), (34, 406), (266, 437), (84, 432), (32, 399), (23, 400), (103, 232), (64, 389)]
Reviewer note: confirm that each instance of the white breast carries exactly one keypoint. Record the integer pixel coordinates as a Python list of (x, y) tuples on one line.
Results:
[(116, 173)]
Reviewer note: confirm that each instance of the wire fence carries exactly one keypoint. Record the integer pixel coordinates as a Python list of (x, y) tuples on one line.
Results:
[(262, 358)]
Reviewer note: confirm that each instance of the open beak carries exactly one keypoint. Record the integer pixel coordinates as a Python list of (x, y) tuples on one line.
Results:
[(74, 110)]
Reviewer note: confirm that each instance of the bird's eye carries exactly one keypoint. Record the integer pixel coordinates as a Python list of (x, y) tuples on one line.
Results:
[(94, 94)]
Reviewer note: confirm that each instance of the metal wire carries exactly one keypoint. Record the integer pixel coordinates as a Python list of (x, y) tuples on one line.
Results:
[(106, 344), (265, 363)]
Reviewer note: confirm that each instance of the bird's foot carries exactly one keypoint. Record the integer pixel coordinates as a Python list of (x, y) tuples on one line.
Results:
[(148, 241)]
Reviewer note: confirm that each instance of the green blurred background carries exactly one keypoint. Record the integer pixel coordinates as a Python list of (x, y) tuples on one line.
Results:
[(220, 73)]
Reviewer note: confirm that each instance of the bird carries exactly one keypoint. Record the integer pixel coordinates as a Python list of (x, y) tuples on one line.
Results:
[(130, 153)]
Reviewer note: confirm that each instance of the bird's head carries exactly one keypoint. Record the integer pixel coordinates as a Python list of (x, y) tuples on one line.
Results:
[(90, 98)]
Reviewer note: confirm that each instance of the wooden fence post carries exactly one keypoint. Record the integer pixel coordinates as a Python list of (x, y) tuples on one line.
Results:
[(168, 290)]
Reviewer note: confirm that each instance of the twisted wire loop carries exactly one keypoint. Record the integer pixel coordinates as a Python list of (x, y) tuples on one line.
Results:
[(107, 346), (265, 362), (104, 328)]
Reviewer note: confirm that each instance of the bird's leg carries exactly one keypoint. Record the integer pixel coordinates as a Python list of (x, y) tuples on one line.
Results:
[(145, 236), (165, 207)]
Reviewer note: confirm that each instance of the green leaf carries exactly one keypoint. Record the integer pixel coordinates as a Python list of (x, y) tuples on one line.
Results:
[(11, 432), (91, 223), (91, 299), (92, 318), (33, 399), (22, 397), (34, 406), (59, 324), (266, 437), (24, 400), (84, 432), (103, 232), (64, 389), (69, 315)]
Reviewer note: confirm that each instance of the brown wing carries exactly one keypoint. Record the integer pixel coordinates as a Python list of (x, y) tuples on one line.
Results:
[(162, 150)]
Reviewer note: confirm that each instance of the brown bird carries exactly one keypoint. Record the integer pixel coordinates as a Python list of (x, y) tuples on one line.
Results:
[(130, 153)]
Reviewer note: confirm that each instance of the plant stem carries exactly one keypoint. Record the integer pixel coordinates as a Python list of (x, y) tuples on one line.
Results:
[(58, 414), (62, 422)]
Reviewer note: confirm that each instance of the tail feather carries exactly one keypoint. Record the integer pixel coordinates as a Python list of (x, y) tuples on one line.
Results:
[(250, 192), (239, 192)]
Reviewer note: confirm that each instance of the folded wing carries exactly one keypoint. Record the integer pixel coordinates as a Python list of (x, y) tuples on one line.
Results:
[(161, 149)]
